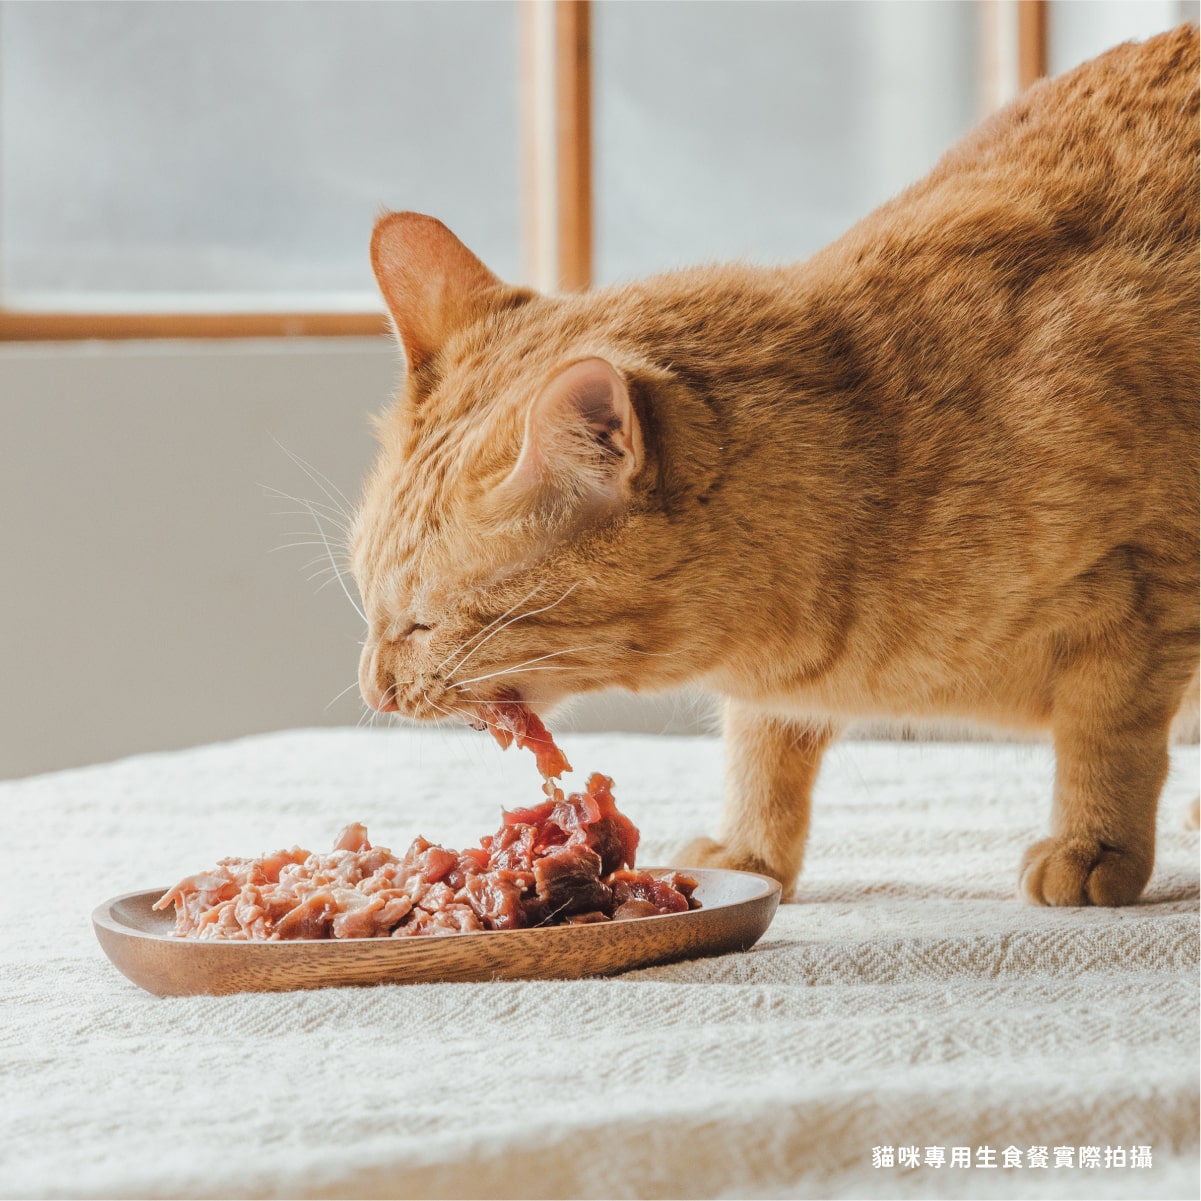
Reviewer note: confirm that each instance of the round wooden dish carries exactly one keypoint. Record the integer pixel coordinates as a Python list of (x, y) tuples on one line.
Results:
[(736, 908)]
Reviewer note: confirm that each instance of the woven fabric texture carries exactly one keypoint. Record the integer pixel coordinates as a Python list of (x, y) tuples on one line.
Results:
[(907, 1000)]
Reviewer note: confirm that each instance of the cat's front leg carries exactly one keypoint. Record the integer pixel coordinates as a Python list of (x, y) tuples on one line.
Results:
[(1102, 847), (1111, 753), (771, 765)]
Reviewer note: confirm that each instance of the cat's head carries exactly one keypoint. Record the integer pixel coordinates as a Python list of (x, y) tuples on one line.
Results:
[(515, 537)]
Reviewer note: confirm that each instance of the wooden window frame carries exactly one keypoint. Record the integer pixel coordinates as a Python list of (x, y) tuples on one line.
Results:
[(18, 325), (1013, 49), (1032, 41), (556, 149), (555, 65)]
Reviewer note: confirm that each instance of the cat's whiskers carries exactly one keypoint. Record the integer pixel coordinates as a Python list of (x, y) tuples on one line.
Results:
[(342, 530), (315, 560), (449, 712), (338, 512), (311, 563), (322, 571), (473, 698), (332, 515), (511, 671), (520, 666), (513, 621), (280, 494), (341, 502), (329, 550), (352, 684), (292, 545), (480, 633)]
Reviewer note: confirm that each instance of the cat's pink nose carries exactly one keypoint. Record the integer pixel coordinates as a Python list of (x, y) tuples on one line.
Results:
[(377, 683)]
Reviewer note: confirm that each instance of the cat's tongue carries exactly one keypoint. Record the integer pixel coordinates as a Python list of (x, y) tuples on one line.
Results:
[(511, 721)]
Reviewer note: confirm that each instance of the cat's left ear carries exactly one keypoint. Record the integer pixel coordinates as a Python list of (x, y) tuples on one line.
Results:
[(581, 436)]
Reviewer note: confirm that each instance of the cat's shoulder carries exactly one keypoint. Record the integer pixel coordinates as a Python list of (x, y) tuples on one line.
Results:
[(1109, 150), (1134, 93)]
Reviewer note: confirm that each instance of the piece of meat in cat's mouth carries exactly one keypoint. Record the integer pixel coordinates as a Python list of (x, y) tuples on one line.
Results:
[(485, 713), (510, 720), (501, 712)]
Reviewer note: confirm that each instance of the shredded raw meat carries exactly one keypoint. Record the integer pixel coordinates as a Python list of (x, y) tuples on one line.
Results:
[(569, 860)]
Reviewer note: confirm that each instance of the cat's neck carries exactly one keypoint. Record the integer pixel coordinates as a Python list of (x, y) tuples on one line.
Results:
[(764, 422)]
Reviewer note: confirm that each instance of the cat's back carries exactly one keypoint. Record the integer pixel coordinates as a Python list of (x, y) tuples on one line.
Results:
[(1108, 149), (1047, 267)]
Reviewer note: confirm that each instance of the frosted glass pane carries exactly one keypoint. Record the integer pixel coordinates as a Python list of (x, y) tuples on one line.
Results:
[(193, 148), (1081, 29), (763, 130)]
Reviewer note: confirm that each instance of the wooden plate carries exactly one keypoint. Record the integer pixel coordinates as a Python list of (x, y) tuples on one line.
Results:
[(736, 908)]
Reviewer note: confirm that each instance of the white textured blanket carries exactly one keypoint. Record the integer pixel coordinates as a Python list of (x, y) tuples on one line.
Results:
[(907, 1005)]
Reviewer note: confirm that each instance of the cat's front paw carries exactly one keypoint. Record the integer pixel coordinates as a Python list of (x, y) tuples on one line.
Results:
[(1080, 871), (706, 852)]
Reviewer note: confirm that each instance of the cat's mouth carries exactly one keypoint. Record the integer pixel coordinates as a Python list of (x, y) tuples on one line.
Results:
[(484, 714)]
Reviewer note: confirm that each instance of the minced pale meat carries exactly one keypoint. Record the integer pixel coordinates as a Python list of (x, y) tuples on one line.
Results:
[(568, 860)]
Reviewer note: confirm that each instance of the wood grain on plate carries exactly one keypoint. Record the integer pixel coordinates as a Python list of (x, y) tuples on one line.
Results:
[(737, 907)]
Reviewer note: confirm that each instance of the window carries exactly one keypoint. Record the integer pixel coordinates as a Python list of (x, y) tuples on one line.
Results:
[(217, 158), (763, 130), (1078, 30), (215, 168)]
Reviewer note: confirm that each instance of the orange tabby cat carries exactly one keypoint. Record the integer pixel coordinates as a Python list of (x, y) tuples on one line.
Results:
[(947, 466)]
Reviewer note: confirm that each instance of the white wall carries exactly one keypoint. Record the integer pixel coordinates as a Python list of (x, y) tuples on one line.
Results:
[(144, 604)]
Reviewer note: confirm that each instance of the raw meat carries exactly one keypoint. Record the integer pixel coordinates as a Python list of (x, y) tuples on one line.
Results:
[(510, 721), (567, 860)]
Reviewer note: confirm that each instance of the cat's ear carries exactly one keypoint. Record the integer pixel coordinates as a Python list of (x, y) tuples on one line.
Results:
[(431, 283), (582, 439)]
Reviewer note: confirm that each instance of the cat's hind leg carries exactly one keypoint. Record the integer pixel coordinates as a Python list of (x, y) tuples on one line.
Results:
[(771, 766)]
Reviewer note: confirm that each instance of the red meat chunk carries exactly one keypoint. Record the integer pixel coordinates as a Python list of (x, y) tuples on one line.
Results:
[(568, 880), (497, 898), (511, 721), (592, 817), (671, 893), (587, 919)]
